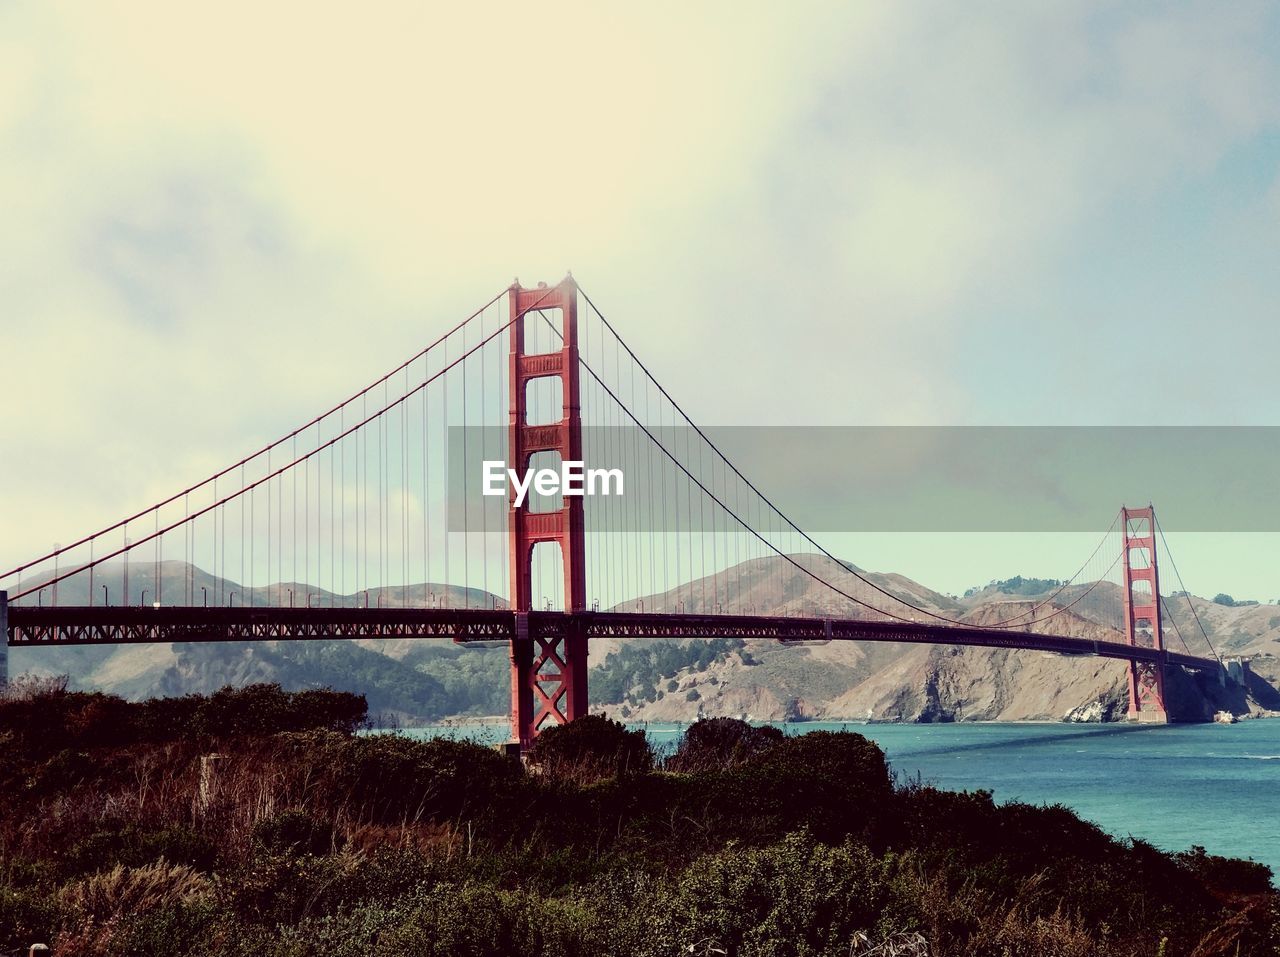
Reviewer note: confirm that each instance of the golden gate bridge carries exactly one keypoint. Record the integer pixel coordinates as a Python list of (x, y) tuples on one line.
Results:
[(369, 522)]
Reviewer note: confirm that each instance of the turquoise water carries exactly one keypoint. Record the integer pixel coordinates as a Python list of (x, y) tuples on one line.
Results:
[(1210, 784)]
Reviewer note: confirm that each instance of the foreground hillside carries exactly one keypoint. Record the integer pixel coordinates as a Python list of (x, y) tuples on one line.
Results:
[(411, 682), (124, 834)]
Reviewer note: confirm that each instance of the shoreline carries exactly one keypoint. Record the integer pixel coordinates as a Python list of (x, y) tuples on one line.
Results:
[(864, 722)]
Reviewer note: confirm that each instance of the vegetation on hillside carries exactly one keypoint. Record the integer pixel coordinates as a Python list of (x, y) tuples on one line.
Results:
[(473, 680), (1222, 598), (637, 671), (437, 680), (120, 836), (1017, 585), (387, 684)]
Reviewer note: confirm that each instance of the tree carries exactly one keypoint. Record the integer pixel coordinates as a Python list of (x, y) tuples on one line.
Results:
[(592, 746), (721, 743)]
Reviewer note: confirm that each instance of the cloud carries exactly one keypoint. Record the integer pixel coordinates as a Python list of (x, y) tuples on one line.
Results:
[(220, 219), (950, 168)]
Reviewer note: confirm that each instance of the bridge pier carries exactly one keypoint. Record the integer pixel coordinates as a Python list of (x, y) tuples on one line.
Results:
[(1235, 671), (1149, 715)]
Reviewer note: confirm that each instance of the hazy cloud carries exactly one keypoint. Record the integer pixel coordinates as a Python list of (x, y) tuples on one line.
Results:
[(218, 219)]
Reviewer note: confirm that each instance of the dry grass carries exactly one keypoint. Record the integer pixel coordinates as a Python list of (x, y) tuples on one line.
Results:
[(134, 890), (446, 841), (161, 785), (99, 903), (1018, 926), (903, 944)]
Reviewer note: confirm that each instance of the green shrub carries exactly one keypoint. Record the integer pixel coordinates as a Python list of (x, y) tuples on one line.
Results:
[(295, 889), (796, 898), (1225, 873), (134, 846), (187, 927), (54, 720), (481, 921), (721, 743), (256, 709), (393, 779), (283, 888), (61, 772), (836, 756), (592, 746), (294, 831), (27, 914)]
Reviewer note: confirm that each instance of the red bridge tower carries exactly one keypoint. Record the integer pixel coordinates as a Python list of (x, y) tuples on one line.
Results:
[(1142, 620), (549, 668)]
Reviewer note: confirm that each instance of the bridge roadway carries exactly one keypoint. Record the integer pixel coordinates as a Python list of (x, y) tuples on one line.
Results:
[(80, 625)]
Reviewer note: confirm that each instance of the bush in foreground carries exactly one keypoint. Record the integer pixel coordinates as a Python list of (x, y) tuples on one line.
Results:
[(720, 743), (60, 720), (591, 747), (316, 841)]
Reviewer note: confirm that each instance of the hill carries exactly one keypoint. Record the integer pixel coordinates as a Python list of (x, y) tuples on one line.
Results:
[(410, 682)]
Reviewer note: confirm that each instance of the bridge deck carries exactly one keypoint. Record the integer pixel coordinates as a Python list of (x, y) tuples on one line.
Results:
[(112, 626)]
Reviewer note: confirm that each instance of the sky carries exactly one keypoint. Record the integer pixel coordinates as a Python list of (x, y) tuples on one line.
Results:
[(220, 218)]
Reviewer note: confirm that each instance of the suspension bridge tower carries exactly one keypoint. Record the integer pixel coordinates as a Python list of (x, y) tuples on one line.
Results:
[(1143, 626), (549, 663)]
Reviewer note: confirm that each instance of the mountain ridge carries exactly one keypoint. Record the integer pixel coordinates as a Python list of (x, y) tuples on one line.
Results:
[(414, 681)]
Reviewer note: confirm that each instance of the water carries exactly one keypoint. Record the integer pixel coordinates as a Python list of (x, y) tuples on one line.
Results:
[(1176, 785)]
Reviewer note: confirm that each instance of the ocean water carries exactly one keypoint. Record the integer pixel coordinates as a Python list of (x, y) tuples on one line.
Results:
[(1175, 785)]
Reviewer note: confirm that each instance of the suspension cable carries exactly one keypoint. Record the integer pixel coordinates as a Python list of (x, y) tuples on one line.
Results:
[(1176, 630), (306, 457), (1185, 594), (866, 581), (249, 458)]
